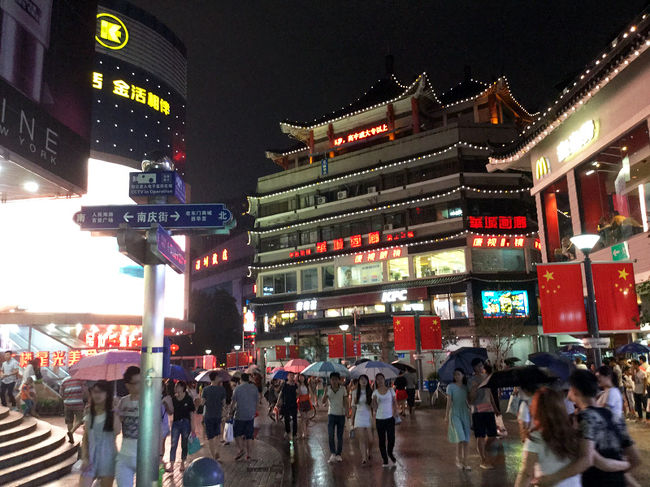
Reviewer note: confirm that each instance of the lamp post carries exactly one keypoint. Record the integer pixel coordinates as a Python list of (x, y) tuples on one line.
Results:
[(585, 243), (287, 341), (344, 327), (237, 348)]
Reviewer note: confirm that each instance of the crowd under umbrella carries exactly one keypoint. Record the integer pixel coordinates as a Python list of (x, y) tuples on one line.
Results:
[(205, 375), (297, 365), (108, 366), (633, 348), (460, 359), (279, 373), (402, 366), (176, 372), (373, 367), (557, 365), (324, 369)]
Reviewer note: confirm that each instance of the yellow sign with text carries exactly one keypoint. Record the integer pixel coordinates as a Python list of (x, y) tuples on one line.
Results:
[(112, 32)]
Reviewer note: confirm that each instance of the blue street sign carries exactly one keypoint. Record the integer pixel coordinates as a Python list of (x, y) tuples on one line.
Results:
[(324, 167), (168, 250), (173, 217), (143, 185)]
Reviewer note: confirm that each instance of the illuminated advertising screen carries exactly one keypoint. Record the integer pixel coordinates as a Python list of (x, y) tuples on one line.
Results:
[(57, 268), (505, 304), (46, 55)]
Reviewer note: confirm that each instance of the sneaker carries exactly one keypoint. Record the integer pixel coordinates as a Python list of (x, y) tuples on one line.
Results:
[(332, 458), (487, 466), (392, 459), (385, 465), (338, 458)]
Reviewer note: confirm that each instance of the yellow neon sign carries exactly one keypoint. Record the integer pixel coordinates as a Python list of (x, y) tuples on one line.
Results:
[(542, 167), (577, 140), (112, 32), (134, 93)]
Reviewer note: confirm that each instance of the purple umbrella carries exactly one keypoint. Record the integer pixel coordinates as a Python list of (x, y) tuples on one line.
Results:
[(109, 365)]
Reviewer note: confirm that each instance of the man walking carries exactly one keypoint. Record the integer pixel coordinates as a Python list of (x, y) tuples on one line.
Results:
[(73, 392), (288, 405), (336, 394), (245, 399), (483, 410), (128, 410), (640, 399), (411, 386), (213, 397), (9, 378)]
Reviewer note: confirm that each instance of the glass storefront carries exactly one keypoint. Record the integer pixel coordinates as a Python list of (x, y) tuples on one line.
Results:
[(498, 260), (356, 275), (450, 306), (440, 263), (398, 269), (613, 188), (557, 222), (279, 283)]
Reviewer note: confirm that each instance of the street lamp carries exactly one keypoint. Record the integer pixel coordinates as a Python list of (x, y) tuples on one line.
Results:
[(237, 348), (208, 351), (344, 327), (585, 243)]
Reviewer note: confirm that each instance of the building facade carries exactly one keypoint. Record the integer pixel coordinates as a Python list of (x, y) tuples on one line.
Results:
[(589, 155), (385, 207)]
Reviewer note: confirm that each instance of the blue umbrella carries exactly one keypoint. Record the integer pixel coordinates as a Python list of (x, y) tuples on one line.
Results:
[(280, 374), (324, 369), (176, 372), (633, 348), (558, 366), (460, 359)]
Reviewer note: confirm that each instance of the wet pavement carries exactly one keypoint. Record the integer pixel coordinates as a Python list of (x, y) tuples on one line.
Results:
[(424, 458)]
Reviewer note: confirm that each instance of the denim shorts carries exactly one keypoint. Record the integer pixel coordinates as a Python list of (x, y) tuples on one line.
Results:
[(212, 427), (243, 428)]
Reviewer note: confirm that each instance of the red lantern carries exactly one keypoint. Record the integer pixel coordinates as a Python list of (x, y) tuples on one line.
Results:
[(174, 348)]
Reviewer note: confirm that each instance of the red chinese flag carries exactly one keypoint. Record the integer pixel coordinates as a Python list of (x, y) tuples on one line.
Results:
[(561, 298), (231, 360), (352, 347), (616, 303), (404, 332), (280, 352), (294, 351), (335, 343), (430, 333)]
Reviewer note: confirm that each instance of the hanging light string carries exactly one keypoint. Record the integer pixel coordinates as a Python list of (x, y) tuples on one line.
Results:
[(562, 113), (391, 206)]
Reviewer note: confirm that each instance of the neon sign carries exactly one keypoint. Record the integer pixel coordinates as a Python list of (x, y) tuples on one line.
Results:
[(57, 358), (393, 296), (361, 134), (132, 92), (391, 237), (500, 222), (355, 242), (578, 140), (376, 255), (542, 167), (110, 32), (122, 337), (212, 259), (498, 242)]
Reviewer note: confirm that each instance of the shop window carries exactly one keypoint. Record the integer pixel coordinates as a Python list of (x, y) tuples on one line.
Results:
[(309, 279), (398, 269), (440, 263), (279, 284), (611, 188), (557, 222), (280, 319), (328, 276), (450, 306), (498, 260), (333, 313), (357, 275), (411, 306), (377, 308), (308, 237)]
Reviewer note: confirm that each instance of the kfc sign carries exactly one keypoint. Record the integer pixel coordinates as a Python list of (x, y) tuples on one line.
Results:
[(393, 296)]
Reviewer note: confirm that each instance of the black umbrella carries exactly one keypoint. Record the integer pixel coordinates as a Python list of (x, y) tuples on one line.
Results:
[(510, 361), (402, 366), (361, 360), (518, 376)]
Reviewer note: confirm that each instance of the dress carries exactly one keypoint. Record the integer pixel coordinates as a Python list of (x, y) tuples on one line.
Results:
[(547, 462), (362, 415), (101, 448), (458, 415)]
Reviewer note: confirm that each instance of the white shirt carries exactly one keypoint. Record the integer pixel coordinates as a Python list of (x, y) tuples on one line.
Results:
[(547, 461), (612, 400), (10, 371), (384, 403)]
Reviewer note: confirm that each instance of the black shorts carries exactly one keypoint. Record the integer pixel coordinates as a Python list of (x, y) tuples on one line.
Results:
[(212, 427), (484, 425), (410, 398), (243, 428)]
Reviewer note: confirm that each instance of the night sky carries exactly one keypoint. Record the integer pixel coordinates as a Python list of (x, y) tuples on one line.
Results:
[(252, 64)]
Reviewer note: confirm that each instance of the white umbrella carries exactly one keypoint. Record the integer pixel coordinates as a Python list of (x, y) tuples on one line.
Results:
[(372, 368), (324, 369)]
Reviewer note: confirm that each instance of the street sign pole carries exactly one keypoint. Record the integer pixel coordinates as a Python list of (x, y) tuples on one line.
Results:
[(418, 351)]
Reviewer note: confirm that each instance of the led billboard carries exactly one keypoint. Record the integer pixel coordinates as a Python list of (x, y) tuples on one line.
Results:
[(505, 304)]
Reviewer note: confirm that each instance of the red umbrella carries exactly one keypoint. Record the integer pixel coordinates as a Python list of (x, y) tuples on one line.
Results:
[(296, 365)]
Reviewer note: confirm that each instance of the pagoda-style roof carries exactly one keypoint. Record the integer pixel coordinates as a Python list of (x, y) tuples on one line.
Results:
[(466, 89)]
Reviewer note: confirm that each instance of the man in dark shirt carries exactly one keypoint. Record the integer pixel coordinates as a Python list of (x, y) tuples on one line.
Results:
[(288, 404), (213, 397)]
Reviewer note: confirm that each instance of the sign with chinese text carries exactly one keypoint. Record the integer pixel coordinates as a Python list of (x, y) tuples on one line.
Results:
[(498, 222), (212, 259), (376, 255), (142, 185), (356, 241), (361, 134), (498, 242), (133, 92), (169, 251)]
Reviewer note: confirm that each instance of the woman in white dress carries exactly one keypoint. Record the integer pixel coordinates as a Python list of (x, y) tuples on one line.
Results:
[(362, 414)]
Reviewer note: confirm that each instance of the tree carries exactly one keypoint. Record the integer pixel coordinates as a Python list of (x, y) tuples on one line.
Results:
[(218, 324), (500, 333)]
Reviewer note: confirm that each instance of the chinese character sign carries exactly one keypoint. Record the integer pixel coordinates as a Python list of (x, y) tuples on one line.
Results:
[(498, 222), (135, 93)]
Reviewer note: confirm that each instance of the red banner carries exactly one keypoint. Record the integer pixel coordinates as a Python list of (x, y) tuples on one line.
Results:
[(404, 333), (561, 298), (352, 347), (615, 294), (294, 351), (280, 352), (237, 359), (430, 333), (335, 345)]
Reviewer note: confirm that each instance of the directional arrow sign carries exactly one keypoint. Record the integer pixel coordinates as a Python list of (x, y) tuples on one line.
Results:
[(173, 217)]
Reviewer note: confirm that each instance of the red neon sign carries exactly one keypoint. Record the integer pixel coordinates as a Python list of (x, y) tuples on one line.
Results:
[(361, 134), (373, 238), (377, 255), (538, 244), (498, 242), (321, 247), (500, 222), (212, 259), (338, 244), (399, 236), (300, 253), (355, 242)]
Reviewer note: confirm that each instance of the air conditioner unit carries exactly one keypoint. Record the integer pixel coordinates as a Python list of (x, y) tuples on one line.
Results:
[(341, 195), (372, 189), (388, 226), (321, 200)]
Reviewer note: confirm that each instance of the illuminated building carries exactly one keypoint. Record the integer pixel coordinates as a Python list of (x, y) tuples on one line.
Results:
[(385, 206), (64, 290), (589, 155)]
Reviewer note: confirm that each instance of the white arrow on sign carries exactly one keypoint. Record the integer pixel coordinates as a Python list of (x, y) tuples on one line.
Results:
[(127, 217), (175, 216)]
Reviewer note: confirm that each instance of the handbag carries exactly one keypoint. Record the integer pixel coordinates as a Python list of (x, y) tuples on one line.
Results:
[(513, 404), (194, 444), (228, 432)]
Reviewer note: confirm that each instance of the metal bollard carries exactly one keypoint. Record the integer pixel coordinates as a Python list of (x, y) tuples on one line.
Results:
[(204, 472)]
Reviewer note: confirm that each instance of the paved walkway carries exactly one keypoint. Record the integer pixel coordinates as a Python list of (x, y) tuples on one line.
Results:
[(425, 458)]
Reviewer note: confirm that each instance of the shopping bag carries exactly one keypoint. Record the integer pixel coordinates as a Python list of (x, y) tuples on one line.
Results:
[(193, 444), (228, 432), (398, 419), (513, 404)]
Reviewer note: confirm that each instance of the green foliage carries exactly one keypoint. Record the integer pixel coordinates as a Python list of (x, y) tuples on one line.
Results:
[(501, 333)]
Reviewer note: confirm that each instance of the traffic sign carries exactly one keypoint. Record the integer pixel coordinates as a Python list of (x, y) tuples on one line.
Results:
[(620, 251), (143, 185), (173, 217), (168, 250)]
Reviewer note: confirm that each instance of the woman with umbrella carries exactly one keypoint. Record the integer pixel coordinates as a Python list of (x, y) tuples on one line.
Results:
[(457, 416), (362, 416)]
